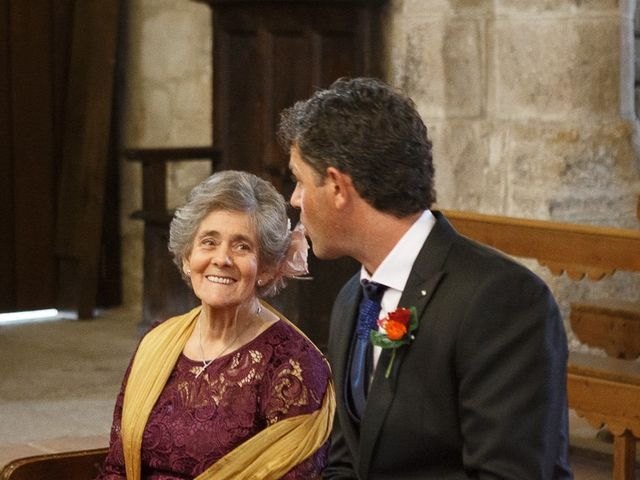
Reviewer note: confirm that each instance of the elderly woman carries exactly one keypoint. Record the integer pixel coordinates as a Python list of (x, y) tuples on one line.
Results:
[(230, 389)]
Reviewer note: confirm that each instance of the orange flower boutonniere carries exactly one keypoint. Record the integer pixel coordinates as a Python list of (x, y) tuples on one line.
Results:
[(397, 329)]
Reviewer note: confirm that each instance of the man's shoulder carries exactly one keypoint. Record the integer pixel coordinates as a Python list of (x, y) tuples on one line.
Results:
[(470, 257)]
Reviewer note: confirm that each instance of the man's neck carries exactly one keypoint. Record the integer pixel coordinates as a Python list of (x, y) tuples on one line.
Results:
[(375, 234)]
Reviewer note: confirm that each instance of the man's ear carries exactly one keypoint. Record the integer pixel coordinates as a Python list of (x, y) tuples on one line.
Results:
[(342, 185)]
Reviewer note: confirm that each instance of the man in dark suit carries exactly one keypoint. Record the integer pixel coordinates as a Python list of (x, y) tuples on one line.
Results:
[(474, 386)]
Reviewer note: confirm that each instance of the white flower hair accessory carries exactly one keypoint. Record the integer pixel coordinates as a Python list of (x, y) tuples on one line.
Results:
[(294, 263)]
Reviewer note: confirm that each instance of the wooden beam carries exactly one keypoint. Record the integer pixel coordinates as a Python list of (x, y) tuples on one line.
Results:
[(164, 155)]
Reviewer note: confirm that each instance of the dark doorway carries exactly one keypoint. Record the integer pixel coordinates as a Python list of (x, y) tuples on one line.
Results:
[(37, 54)]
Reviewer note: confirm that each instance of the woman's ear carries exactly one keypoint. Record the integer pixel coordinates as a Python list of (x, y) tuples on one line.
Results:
[(264, 278), (186, 267)]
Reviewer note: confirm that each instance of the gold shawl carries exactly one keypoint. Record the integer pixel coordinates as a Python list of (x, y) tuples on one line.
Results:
[(269, 454)]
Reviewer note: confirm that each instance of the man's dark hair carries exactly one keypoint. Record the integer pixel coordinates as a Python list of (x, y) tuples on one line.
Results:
[(371, 132)]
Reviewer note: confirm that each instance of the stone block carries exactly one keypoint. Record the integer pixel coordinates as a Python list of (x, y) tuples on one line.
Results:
[(176, 42), (443, 68), (608, 208), (556, 69), (574, 169), (182, 177), (465, 176), (431, 8)]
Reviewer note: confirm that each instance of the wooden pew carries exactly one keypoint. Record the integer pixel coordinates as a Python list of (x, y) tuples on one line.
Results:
[(77, 465), (604, 390)]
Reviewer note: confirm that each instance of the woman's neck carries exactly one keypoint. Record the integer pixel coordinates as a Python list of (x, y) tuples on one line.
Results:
[(222, 323)]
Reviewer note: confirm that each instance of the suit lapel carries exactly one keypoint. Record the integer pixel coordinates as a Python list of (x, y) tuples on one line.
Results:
[(426, 274), (344, 321), (344, 325)]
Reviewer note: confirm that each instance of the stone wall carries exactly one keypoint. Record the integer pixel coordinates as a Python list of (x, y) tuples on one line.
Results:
[(167, 103), (525, 102), (529, 105)]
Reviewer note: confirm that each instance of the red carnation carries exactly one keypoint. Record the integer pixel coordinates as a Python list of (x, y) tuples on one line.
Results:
[(398, 327), (401, 315)]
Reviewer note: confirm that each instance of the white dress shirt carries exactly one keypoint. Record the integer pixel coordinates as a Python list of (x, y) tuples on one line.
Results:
[(395, 268)]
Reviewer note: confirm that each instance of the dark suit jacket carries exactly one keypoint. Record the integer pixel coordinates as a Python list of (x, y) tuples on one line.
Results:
[(481, 391)]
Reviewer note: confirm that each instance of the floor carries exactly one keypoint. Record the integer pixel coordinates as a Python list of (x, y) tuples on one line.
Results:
[(59, 380)]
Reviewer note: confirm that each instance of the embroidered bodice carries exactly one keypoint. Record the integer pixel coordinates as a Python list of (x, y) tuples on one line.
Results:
[(196, 421)]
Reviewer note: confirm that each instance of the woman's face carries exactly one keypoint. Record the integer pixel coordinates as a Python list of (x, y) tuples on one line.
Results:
[(224, 260)]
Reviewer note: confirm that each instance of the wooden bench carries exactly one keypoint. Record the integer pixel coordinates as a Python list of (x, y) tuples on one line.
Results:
[(78, 465), (604, 390)]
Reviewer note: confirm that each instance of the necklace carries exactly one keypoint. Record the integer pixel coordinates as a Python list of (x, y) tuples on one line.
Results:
[(206, 363)]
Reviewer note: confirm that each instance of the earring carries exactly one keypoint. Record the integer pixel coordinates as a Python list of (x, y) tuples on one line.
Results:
[(259, 282), (188, 272)]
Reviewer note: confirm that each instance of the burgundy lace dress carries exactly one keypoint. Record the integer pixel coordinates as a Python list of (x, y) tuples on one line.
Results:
[(196, 421)]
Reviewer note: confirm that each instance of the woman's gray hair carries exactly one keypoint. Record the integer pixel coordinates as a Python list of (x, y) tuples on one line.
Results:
[(239, 192)]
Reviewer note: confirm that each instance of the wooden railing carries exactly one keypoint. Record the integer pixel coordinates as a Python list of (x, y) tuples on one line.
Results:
[(605, 391)]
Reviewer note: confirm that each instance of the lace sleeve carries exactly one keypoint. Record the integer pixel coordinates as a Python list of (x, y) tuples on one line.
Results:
[(113, 467), (295, 385)]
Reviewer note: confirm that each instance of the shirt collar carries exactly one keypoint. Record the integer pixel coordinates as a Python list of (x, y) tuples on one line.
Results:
[(396, 267)]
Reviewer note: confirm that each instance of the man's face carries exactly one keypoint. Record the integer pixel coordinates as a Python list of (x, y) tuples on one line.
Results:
[(313, 197)]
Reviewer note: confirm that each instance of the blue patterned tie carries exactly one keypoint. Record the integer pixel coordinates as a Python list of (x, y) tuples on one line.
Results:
[(361, 360)]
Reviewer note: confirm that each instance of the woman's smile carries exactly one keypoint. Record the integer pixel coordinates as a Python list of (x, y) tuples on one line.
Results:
[(219, 279), (223, 262)]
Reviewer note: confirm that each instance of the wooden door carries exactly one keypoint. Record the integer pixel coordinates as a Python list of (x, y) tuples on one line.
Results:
[(267, 55), (35, 60)]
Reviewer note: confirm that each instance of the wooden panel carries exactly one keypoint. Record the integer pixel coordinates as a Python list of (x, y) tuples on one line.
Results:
[(33, 152), (162, 276), (279, 94), (577, 249), (62, 18), (238, 114), (85, 153), (7, 233), (336, 60)]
